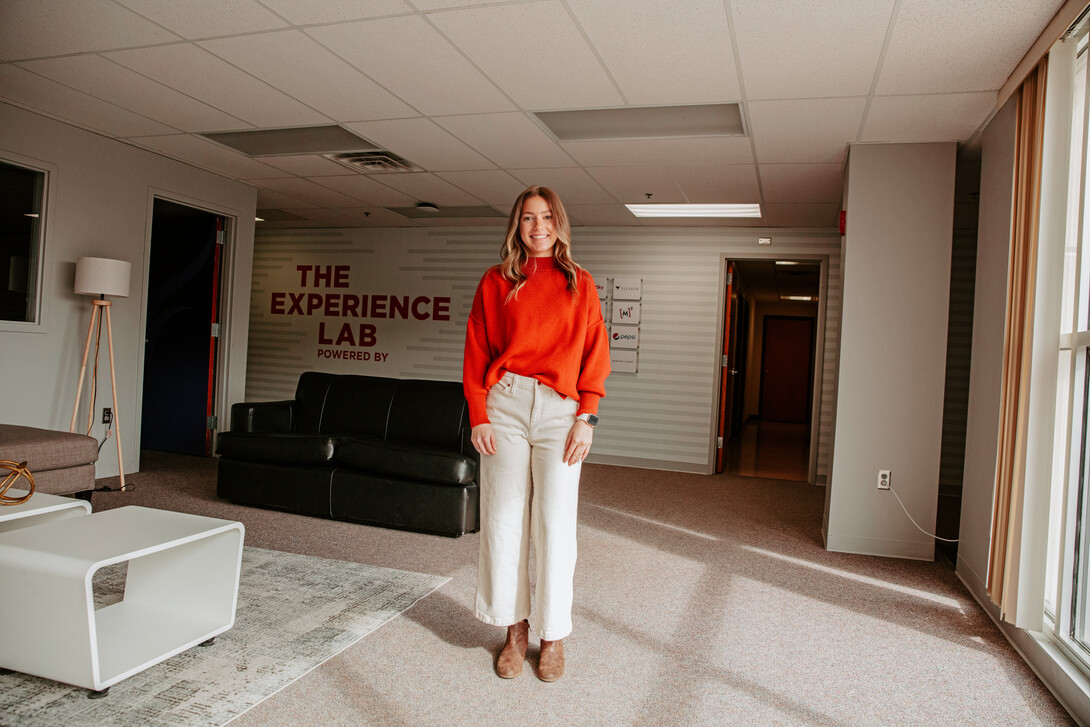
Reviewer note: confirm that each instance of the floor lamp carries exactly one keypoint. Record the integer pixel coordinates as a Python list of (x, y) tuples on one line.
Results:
[(100, 277)]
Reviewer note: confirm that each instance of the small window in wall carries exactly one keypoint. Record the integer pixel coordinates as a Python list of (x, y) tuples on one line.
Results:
[(22, 192)]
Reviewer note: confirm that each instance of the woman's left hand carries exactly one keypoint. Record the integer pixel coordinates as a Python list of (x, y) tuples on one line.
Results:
[(578, 445)]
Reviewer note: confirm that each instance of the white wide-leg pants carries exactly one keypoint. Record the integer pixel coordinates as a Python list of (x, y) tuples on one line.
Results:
[(527, 491)]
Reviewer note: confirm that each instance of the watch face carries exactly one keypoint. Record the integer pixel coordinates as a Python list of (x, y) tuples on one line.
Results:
[(592, 420)]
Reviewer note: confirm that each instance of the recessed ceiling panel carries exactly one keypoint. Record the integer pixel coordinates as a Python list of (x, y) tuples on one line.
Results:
[(644, 122), (301, 140)]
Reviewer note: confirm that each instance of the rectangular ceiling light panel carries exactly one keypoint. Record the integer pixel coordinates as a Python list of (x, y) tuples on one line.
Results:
[(695, 210), (645, 122), (301, 140)]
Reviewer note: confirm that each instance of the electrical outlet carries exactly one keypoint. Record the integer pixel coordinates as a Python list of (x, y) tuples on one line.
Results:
[(107, 415), (883, 479)]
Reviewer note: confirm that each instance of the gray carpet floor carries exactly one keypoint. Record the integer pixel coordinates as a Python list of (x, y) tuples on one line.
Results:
[(700, 600)]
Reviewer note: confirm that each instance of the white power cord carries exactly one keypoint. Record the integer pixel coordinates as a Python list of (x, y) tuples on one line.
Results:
[(930, 535)]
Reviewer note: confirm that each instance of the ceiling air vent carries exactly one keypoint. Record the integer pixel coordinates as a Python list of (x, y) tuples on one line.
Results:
[(374, 162)]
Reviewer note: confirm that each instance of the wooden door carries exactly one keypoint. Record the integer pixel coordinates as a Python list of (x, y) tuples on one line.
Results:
[(786, 369)]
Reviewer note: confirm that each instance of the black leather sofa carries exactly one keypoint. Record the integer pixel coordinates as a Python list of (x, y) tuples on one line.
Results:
[(380, 451)]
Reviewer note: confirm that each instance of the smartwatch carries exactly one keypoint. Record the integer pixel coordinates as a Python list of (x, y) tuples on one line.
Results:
[(591, 419)]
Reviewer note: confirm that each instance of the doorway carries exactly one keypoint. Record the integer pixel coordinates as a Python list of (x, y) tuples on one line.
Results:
[(765, 415), (181, 332)]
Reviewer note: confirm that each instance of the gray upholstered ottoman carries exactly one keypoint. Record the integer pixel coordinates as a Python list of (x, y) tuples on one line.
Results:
[(62, 463)]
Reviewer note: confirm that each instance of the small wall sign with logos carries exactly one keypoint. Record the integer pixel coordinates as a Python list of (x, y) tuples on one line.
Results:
[(624, 337), (627, 288), (625, 311), (623, 360)]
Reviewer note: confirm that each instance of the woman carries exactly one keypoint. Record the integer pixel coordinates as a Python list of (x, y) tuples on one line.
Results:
[(536, 361)]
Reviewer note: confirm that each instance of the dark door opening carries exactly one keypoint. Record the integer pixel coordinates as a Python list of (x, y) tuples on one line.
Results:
[(772, 326), (181, 330)]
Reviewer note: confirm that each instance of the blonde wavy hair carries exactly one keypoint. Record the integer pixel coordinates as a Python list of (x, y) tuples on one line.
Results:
[(514, 252)]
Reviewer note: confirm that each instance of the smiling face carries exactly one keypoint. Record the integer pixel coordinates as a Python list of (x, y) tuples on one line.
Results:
[(536, 227)]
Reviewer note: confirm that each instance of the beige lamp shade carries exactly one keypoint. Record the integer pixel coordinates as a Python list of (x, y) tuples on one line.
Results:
[(102, 276)]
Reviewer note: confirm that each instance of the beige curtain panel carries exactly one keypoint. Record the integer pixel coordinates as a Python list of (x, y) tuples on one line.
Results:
[(1018, 339)]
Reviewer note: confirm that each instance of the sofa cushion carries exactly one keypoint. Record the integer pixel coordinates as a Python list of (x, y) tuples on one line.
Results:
[(46, 449), (280, 448), (406, 461), (358, 405), (429, 413)]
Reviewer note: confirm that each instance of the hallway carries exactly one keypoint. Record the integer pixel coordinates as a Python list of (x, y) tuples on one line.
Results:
[(777, 450)]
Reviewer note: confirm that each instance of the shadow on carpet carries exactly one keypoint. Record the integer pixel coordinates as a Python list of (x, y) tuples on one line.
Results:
[(294, 612)]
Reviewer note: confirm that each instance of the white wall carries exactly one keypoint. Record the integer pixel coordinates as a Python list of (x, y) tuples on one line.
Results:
[(661, 417), (897, 253), (99, 204)]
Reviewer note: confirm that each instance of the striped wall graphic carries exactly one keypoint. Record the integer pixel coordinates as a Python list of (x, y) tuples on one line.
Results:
[(661, 416)]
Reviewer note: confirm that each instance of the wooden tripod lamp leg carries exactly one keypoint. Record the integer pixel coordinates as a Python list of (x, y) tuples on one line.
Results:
[(113, 387), (83, 367)]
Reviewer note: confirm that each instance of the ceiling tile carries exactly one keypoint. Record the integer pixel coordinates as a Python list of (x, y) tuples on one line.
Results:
[(305, 190), (711, 183), (932, 48), (632, 184), (53, 99), (560, 71), (42, 28), (805, 131), (942, 117), (335, 11), (811, 56), (423, 143), (291, 61), (197, 73), (571, 184), (509, 140), (375, 217), (423, 187), (802, 215), (367, 189), (651, 49), (665, 152), (494, 187), (271, 199), (807, 183), (598, 215), (208, 155), (208, 18), (119, 85), (305, 165), (408, 56)]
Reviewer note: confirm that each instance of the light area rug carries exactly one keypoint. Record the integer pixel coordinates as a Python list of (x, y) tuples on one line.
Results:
[(294, 612)]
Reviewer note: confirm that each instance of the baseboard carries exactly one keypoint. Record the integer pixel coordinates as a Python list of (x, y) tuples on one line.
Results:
[(1066, 682), (883, 547), (649, 464)]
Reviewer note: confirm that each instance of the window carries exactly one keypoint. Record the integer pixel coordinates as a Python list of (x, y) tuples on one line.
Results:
[(22, 194), (1067, 585)]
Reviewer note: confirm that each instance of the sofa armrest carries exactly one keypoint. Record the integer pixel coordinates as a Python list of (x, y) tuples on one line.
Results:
[(266, 417)]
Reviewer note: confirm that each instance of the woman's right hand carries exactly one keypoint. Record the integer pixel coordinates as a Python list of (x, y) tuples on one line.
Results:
[(484, 441)]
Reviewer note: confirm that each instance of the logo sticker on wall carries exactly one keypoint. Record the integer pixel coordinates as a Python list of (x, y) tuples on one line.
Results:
[(624, 337), (626, 312)]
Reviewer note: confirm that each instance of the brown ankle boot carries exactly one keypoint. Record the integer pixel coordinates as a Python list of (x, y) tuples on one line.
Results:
[(550, 665), (509, 665)]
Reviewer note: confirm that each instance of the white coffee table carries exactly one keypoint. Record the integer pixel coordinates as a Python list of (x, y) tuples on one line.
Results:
[(181, 589), (39, 510)]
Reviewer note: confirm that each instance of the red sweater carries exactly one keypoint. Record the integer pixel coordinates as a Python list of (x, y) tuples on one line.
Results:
[(545, 333)]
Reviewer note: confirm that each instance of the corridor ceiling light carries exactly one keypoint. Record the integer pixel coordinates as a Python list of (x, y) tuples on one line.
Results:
[(804, 298), (695, 210)]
